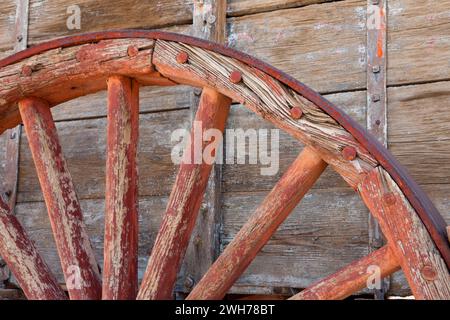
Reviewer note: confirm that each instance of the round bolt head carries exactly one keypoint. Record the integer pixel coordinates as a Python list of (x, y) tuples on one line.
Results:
[(429, 273), (376, 69), (296, 113), (349, 153), (235, 77), (182, 57), (27, 71), (132, 51), (390, 199)]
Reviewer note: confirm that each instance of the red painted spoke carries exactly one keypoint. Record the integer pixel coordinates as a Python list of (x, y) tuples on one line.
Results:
[(421, 262), (121, 216), (19, 252), (77, 257), (184, 203), (280, 202), (352, 278)]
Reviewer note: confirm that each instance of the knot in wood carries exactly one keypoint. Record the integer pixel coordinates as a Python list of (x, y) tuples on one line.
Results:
[(429, 273), (182, 57), (349, 153), (235, 77), (132, 51), (27, 71), (296, 113)]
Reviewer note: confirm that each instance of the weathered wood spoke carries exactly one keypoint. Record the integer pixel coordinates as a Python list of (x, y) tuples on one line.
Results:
[(424, 268), (121, 216), (77, 257), (185, 199), (19, 252), (276, 207), (352, 278)]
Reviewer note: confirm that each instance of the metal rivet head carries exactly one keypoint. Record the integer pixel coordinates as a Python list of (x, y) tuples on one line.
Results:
[(182, 57), (235, 77), (376, 69), (390, 199), (429, 273), (189, 282), (132, 51), (296, 113), (378, 122), (349, 153), (376, 97), (27, 71)]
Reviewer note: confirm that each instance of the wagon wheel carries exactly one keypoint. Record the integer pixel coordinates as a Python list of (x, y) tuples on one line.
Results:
[(34, 80)]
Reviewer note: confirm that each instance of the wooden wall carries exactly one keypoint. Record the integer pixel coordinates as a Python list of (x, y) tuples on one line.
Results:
[(323, 44)]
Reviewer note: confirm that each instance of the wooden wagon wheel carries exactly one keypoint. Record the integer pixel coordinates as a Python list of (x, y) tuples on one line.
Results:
[(34, 80)]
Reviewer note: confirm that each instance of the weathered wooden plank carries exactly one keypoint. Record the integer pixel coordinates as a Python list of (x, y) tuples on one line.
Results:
[(237, 178), (352, 278), (19, 252), (34, 218), (263, 223), (77, 259), (48, 19), (271, 100), (313, 44), (120, 280), (7, 14), (245, 7), (421, 262), (327, 231), (88, 167), (185, 198)]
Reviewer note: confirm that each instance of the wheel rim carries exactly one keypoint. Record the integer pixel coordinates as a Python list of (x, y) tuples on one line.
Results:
[(33, 82)]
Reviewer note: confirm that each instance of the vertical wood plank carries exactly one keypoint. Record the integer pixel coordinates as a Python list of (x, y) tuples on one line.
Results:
[(185, 199), (9, 185), (30, 270), (120, 277), (209, 22), (260, 227), (422, 264), (75, 251), (377, 101)]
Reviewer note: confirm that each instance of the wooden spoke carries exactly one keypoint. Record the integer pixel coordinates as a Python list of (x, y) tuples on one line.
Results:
[(184, 201), (77, 257), (121, 216), (352, 278), (424, 268), (283, 198), (19, 252)]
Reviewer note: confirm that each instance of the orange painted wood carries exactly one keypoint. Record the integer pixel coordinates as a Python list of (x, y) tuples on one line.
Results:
[(184, 203), (422, 264), (72, 241), (120, 278), (351, 278), (276, 207), (19, 252)]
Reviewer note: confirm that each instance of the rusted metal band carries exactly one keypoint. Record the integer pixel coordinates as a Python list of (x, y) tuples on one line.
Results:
[(429, 215)]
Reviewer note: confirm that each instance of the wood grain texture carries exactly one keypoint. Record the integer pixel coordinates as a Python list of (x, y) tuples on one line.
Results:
[(352, 278), (424, 268), (7, 17), (185, 200), (48, 18), (61, 74), (74, 248), (268, 98), (120, 279), (88, 167), (22, 258), (263, 223), (245, 7)]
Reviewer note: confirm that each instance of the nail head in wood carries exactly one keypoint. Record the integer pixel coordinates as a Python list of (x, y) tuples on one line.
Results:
[(296, 113), (27, 71), (182, 57), (132, 51), (349, 153), (235, 77), (429, 273), (376, 97), (390, 199)]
